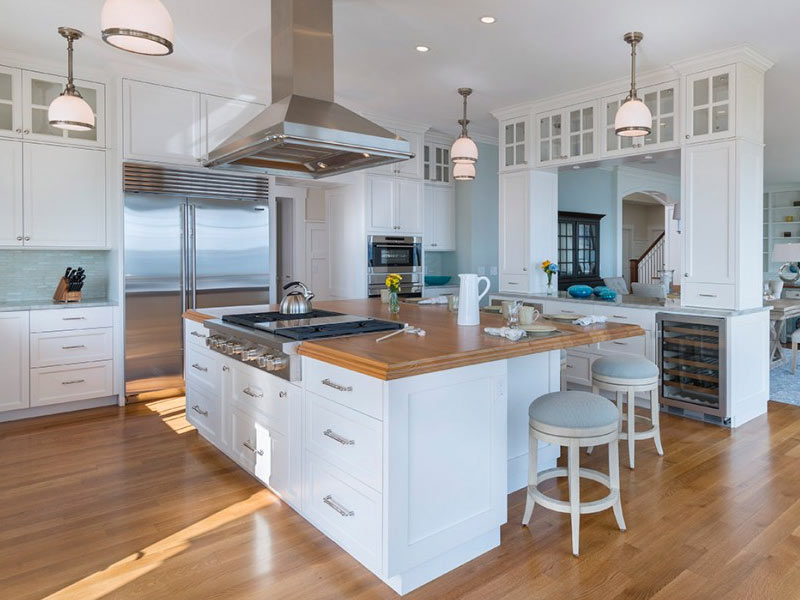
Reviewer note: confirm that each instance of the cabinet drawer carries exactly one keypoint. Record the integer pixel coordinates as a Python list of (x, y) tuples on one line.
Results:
[(53, 385), (578, 368), (357, 391), (203, 411), (260, 450), (70, 347), (257, 391), (203, 366), (348, 511), (346, 438), (513, 283), (708, 295), (62, 319), (793, 294), (633, 345), (196, 333), (646, 319)]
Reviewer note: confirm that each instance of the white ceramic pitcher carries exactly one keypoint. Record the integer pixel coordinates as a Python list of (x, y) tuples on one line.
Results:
[(469, 298)]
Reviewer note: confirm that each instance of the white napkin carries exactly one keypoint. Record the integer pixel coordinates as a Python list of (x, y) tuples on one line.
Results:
[(436, 300), (589, 319), (512, 334)]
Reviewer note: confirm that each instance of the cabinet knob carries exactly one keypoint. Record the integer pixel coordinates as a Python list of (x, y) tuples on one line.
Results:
[(524, 269), (685, 274), (26, 132), (688, 136), (18, 130), (19, 238), (27, 238)]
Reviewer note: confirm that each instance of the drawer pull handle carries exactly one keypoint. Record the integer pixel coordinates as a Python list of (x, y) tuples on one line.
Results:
[(73, 347), (336, 386), (620, 343), (252, 448), (197, 409), (707, 295), (619, 316), (199, 368), (200, 335), (73, 318), (225, 368), (73, 381), (251, 393), (338, 438), (512, 283), (569, 311), (282, 394), (570, 366), (337, 507)]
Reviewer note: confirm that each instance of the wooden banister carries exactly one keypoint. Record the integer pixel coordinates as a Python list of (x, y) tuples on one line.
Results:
[(650, 247)]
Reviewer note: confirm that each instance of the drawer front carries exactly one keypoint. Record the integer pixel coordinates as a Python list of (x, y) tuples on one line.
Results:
[(203, 366), (345, 509), (62, 319), (633, 345), (346, 438), (203, 411), (260, 450), (513, 283), (196, 333), (646, 319), (708, 295), (578, 368), (354, 390), (259, 392), (53, 385), (70, 347), (570, 308), (793, 294)]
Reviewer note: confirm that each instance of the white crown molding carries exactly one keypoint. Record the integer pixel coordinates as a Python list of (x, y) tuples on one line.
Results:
[(743, 53), (783, 187), (395, 123)]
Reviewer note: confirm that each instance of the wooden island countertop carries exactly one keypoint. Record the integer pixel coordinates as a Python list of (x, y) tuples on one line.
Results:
[(445, 345)]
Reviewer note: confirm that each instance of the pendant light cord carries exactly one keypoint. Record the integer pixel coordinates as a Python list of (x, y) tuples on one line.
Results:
[(464, 121)]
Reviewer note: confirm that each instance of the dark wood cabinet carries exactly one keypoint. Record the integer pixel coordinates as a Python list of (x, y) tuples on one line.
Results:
[(579, 249)]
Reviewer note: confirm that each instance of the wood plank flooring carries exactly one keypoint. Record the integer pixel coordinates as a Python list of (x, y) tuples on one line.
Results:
[(131, 503)]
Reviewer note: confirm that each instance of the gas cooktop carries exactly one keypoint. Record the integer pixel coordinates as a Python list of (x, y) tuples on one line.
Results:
[(313, 325)]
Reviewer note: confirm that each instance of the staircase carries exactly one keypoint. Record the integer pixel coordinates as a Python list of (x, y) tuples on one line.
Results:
[(645, 268)]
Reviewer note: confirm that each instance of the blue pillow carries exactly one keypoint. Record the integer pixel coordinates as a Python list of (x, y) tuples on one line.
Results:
[(579, 291), (598, 291)]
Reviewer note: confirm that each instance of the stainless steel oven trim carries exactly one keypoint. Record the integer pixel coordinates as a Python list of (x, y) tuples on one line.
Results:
[(398, 270)]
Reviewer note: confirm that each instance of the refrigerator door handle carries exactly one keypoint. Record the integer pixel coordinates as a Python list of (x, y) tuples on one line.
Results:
[(183, 258), (193, 255)]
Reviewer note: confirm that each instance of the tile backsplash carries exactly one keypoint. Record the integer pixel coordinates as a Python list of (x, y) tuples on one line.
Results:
[(32, 275)]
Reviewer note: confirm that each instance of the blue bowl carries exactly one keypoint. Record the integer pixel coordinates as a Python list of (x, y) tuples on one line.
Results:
[(598, 291), (437, 279), (607, 294), (579, 291)]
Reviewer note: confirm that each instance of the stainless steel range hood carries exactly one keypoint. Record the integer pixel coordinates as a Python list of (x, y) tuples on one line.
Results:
[(304, 133)]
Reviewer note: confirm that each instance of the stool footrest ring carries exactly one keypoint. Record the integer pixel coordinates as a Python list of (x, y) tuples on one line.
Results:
[(563, 505)]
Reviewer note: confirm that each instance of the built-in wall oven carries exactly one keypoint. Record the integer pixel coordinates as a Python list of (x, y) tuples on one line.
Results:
[(395, 254)]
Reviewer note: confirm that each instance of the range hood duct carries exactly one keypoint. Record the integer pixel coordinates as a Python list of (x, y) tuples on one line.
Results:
[(304, 133)]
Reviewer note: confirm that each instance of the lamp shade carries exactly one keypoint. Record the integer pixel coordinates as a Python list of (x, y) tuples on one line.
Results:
[(786, 253), (464, 150), (70, 111), (138, 26), (633, 119), (464, 171)]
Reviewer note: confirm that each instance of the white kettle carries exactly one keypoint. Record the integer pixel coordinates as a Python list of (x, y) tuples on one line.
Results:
[(469, 298)]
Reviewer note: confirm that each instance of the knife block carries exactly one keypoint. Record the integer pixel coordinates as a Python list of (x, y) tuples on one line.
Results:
[(63, 295)]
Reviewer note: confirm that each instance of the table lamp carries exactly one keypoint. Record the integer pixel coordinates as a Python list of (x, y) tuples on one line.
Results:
[(789, 255)]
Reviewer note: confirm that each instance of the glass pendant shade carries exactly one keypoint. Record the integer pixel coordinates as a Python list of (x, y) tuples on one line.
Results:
[(464, 171), (633, 119), (138, 26), (70, 111), (464, 150)]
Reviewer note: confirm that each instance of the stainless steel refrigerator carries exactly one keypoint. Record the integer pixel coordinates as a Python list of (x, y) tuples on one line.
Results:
[(181, 253)]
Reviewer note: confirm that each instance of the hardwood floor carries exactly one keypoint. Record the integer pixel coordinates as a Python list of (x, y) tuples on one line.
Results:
[(131, 503)]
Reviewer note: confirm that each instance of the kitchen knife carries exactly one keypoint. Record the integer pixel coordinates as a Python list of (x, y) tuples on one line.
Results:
[(67, 272)]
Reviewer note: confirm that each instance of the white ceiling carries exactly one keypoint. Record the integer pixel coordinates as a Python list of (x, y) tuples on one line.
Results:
[(536, 49)]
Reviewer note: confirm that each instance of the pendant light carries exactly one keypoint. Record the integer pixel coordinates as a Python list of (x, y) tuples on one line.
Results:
[(138, 26), (70, 110), (464, 171), (464, 149), (633, 117)]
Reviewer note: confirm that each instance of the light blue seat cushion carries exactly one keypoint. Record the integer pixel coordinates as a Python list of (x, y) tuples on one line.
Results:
[(625, 367), (573, 414)]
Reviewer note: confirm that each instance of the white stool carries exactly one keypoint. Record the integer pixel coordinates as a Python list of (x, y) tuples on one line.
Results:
[(630, 374), (795, 342), (564, 371), (573, 419)]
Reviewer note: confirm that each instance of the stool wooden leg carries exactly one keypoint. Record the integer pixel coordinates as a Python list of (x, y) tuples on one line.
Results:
[(618, 395), (574, 492), (595, 390), (533, 475), (613, 473), (631, 425), (654, 417)]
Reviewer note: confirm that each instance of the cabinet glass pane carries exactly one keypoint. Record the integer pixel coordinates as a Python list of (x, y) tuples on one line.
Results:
[(44, 92), (6, 87), (720, 118), (89, 95), (439, 155), (611, 112), (667, 101), (446, 155), (557, 147), (719, 85), (438, 173), (575, 120), (84, 135), (520, 132), (652, 137), (426, 170), (700, 95), (588, 118), (667, 129), (612, 139), (700, 121), (556, 126), (588, 142), (446, 174), (509, 156), (544, 151), (575, 144), (509, 134), (626, 142), (427, 153), (6, 121), (544, 127), (520, 154), (40, 123), (651, 101)]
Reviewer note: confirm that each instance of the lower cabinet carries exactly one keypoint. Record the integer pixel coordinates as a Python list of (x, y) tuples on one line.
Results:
[(68, 383), (261, 450), (203, 411), (14, 374)]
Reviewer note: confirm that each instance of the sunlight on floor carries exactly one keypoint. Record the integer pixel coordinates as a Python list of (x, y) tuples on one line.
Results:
[(144, 561), (172, 413)]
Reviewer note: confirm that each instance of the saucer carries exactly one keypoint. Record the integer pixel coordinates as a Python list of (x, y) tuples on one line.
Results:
[(564, 317)]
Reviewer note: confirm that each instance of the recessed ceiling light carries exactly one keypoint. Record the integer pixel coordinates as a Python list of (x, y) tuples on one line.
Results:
[(422, 48), (488, 20)]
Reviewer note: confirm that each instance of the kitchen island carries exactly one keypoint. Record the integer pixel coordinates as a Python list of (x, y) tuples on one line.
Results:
[(403, 451)]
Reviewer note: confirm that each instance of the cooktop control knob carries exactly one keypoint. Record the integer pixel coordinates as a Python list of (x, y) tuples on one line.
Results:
[(276, 363)]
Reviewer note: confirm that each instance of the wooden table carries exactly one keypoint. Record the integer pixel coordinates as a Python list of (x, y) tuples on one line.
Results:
[(781, 310)]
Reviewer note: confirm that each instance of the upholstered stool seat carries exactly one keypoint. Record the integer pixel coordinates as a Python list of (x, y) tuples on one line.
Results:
[(573, 419), (624, 367)]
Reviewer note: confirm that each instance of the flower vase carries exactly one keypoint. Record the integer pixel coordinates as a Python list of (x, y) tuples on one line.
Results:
[(394, 303), (550, 290)]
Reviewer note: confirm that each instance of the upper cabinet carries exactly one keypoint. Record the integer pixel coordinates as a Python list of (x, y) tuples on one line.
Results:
[(513, 144), (11, 226), (436, 163), (394, 205), (222, 117), (566, 134), (405, 168), (10, 102), (662, 100), (440, 218), (711, 113)]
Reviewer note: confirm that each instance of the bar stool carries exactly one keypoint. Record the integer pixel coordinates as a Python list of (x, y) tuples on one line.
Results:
[(573, 419), (630, 374)]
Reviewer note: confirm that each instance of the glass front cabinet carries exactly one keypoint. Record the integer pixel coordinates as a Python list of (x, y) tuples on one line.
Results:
[(436, 163), (10, 102), (710, 105), (662, 100), (513, 147), (566, 134)]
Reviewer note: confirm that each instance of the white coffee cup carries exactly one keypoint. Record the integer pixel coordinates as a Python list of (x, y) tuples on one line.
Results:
[(528, 315)]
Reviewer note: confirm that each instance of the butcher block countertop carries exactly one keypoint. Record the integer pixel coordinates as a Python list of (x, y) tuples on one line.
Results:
[(445, 346)]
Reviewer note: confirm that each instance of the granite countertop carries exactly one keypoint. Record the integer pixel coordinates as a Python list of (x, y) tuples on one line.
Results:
[(47, 305)]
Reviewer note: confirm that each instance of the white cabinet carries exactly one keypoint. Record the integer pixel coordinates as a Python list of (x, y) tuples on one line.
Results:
[(160, 124), (64, 196), (11, 229), (711, 112), (514, 232), (405, 168), (662, 100), (514, 143), (14, 392), (394, 205), (10, 102), (436, 163), (222, 117), (440, 218), (567, 133)]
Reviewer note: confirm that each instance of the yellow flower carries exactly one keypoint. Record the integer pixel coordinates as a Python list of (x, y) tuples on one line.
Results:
[(393, 280), (545, 264)]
